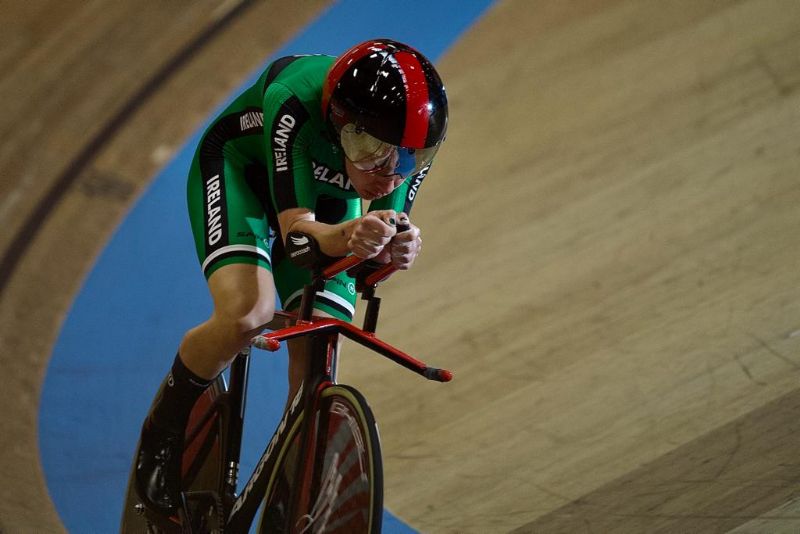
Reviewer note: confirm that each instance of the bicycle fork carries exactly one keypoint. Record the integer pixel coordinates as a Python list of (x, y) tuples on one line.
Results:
[(323, 368)]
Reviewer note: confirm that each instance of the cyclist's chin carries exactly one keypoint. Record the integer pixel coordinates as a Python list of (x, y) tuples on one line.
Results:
[(373, 195), (371, 191), (371, 186)]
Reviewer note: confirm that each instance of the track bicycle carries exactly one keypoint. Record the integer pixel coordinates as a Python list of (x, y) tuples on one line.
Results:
[(319, 473)]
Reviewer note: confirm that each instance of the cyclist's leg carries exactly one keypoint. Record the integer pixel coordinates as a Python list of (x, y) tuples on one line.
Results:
[(244, 300), (231, 234), (338, 298)]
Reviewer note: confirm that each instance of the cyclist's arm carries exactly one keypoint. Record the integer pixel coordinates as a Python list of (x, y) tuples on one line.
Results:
[(332, 238), (364, 236), (287, 136)]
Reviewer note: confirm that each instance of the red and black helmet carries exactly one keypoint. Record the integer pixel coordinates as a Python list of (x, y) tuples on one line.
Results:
[(389, 91)]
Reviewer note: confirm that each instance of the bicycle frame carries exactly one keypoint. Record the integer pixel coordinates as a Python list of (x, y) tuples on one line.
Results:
[(324, 335)]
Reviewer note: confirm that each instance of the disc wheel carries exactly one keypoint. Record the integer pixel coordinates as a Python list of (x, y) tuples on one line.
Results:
[(345, 484)]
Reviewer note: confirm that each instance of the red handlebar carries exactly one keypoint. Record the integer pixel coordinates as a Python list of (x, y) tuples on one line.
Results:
[(380, 275), (341, 265), (272, 340), (351, 261)]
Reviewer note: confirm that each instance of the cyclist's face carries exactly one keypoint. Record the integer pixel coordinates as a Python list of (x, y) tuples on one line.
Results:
[(374, 183)]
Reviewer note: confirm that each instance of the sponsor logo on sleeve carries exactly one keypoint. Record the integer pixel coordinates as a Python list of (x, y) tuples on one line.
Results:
[(280, 141)]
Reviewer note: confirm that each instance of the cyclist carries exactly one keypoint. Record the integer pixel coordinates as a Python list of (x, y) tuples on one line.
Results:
[(298, 150)]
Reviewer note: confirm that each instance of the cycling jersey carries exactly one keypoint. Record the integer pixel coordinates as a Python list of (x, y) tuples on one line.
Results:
[(271, 150)]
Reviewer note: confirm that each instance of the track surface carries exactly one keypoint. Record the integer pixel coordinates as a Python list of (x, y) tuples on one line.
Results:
[(609, 261)]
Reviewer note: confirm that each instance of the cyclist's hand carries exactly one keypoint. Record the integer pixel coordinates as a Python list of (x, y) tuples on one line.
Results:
[(406, 245), (372, 232)]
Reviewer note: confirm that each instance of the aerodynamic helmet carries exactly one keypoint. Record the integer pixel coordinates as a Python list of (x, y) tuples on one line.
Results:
[(388, 104)]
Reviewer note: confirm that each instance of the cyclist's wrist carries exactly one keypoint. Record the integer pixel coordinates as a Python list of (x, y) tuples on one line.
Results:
[(332, 238)]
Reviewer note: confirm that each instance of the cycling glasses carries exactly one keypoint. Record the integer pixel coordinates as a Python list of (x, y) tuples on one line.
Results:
[(372, 155)]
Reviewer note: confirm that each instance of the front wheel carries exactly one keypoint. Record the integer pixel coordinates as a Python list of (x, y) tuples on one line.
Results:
[(346, 481)]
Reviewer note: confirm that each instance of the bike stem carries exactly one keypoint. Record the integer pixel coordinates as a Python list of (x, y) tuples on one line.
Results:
[(367, 286), (309, 297), (373, 309)]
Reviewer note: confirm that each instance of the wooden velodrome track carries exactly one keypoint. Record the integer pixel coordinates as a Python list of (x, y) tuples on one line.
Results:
[(610, 263)]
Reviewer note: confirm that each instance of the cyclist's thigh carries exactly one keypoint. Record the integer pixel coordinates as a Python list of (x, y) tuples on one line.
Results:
[(229, 222), (244, 293), (339, 296), (230, 227)]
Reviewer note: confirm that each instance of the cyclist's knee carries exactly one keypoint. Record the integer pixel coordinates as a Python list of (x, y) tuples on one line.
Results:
[(244, 298), (246, 314)]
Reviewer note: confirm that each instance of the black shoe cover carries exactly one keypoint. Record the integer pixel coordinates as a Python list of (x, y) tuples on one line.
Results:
[(158, 468)]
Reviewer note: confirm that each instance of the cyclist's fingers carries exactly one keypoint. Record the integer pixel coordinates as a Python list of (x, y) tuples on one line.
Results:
[(387, 216), (369, 240), (412, 234), (404, 260), (405, 252), (412, 247), (384, 256), (382, 222), (365, 248), (376, 227), (409, 236), (364, 252)]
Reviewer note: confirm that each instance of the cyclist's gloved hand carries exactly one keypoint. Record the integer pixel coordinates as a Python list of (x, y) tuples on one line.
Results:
[(406, 244), (372, 232)]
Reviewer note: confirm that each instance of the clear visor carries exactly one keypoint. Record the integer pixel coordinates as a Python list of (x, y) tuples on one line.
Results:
[(373, 155)]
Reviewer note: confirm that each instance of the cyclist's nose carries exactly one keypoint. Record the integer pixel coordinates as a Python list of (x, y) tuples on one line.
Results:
[(384, 184)]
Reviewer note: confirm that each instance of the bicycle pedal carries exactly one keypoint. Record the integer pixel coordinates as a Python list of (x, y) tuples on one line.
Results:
[(157, 523), (202, 512)]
